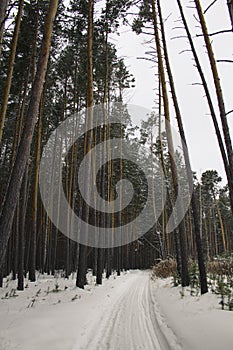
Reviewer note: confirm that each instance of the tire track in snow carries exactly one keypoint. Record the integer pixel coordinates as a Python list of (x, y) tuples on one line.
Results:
[(131, 322)]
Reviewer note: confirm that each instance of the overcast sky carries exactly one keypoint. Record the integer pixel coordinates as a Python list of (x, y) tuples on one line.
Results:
[(197, 121)]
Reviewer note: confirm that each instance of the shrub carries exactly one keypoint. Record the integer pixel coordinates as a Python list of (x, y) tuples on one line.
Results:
[(165, 268), (222, 267)]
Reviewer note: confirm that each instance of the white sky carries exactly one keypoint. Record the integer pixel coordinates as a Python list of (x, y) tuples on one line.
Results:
[(197, 121)]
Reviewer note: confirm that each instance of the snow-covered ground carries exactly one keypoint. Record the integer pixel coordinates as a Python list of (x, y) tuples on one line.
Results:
[(129, 312)]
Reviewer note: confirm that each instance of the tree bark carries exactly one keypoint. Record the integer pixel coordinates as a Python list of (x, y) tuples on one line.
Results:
[(183, 248), (219, 94), (82, 265), (230, 9), (22, 215), (15, 181), (32, 266), (10, 68), (3, 8), (201, 263)]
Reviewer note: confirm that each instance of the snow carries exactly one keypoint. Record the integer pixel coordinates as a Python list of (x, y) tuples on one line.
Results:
[(198, 322), (127, 312)]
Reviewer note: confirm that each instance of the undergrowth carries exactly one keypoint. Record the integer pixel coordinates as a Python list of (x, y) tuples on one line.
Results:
[(219, 275)]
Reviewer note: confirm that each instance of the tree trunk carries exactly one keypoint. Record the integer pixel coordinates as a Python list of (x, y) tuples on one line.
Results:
[(230, 8), (201, 263), (22, 215), (82, 265), (10, 68), (15, 181), (219, 95), (32, 266), (183, 248), (3, 8)]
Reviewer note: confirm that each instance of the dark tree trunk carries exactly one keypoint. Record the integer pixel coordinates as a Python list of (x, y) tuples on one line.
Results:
[(182, 238), (109, 263), (16, 244), (3, 8), (10, 68), (15, 181), (99, 266), (201, 263), (32, 266), (22, 215), (219, 95), (230, 8), (82, 265)]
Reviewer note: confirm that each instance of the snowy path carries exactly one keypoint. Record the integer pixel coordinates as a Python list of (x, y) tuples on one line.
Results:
[(120, 314), (130, 323), (115, 315), (129, 312)]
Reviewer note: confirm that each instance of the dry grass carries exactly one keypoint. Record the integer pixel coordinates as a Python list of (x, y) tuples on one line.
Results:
[(164, 269), (221, 267)]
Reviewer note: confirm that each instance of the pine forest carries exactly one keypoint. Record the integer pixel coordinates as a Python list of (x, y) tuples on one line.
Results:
[(100, 203)]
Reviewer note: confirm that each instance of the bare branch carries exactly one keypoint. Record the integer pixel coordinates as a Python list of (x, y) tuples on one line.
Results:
[(178, 28), (179, 37), (229, 112), (183, 51), (165, 20), (146, 59), (10, 7), (226, 61), (216, 33), (212, 3), (199, 84), (197, 19)]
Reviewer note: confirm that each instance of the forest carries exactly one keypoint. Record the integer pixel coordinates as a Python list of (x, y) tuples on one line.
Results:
[(58, 64)]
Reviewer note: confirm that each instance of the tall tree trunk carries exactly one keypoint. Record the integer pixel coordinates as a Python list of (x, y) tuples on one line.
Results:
[(221, 223), (211, 107), (183, 248), (32, 266), (22, 215), (3, 8), (15, 181), (82, 265), (201, 263), (10, 68), (230, 8), (15, 252), (219, 94)]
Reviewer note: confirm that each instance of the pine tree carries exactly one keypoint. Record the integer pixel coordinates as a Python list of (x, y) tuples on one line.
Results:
[(15, 181)]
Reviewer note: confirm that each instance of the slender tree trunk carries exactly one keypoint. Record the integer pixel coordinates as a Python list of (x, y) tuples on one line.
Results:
[(105, 220), (32, 267), (219, 94), (15, 181), (10, 68), (161, 242), (20, 117), (221, 224), (15, 250), (183, 248), (22, 216), (3, 8), (230, 8), (201, 263), (70, 191), (82, 265)]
